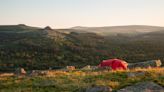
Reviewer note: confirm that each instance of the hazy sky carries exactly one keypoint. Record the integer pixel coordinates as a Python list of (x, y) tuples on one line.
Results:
[(68, 13)]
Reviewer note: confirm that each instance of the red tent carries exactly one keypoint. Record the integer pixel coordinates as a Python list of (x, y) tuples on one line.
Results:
[(115, 64)]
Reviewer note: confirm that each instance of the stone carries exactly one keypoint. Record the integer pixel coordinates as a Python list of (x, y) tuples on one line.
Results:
[(143, 87), (146, 64)]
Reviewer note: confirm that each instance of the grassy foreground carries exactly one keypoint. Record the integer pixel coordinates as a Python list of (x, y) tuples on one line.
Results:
[(78, 81)]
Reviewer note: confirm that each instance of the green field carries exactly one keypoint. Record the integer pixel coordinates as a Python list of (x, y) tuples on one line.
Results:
[(78, 81)]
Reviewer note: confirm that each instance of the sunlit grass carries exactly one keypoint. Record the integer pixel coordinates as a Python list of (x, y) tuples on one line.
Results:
[(74, 81)]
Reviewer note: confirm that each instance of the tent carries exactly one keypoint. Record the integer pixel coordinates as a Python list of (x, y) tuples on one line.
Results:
[(115, 64)]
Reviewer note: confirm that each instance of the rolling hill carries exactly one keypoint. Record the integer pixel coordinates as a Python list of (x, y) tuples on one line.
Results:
[(113, 30), (44, 48)]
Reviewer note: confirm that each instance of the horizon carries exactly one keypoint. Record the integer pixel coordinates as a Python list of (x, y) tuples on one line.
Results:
[(78, 26), (93, 13)]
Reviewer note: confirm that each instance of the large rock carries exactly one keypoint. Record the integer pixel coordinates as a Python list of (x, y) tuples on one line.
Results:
[(99, 89), (143, 87), (146, 64)]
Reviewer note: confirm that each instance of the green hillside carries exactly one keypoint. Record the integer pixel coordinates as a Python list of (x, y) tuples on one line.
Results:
[(41, 48)]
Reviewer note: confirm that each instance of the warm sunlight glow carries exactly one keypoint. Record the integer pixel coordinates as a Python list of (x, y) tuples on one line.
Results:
[(68, 13)]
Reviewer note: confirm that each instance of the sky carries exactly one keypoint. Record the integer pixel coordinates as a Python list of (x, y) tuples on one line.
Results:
[(69, 13)]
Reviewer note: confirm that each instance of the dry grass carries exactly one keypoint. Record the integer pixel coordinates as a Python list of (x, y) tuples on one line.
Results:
[(6, 74)]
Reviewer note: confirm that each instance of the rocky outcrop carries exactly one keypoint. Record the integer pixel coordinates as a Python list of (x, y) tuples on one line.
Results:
[(143, 87)]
